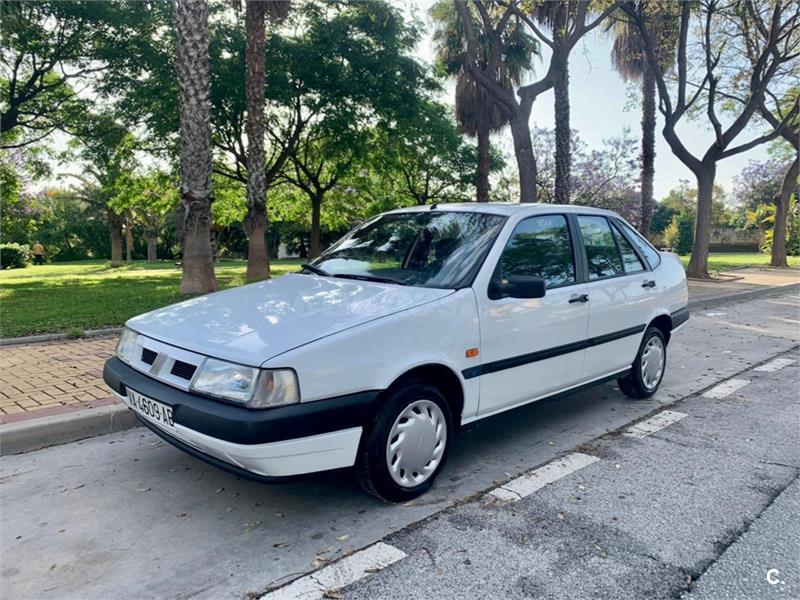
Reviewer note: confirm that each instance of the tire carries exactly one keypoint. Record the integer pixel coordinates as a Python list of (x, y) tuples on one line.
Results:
[(642, 382), (378, 467)]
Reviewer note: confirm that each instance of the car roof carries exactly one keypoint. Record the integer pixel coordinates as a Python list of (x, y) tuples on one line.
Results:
[(506, 208)]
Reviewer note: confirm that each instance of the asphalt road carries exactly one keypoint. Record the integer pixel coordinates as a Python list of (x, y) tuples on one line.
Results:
[(703, 509), (126, 515)]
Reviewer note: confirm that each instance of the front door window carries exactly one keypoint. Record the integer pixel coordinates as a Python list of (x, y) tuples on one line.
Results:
[(540, 247)]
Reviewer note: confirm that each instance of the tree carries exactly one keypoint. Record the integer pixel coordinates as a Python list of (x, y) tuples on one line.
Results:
[(424, 159), (555, 16), (517, 104), (765, 183), (319, 164), (477, 112), (600, 176), (628, 58), (106, 150), (776, 116), (145, 199), (194, 77), (718, 28), (50, 51), (255, 222)]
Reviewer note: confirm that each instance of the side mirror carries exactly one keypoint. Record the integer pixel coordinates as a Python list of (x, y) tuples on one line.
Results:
[(517, 286)]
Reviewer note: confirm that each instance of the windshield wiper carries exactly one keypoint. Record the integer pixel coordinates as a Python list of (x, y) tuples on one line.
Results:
[(315, 270), (374, 278)]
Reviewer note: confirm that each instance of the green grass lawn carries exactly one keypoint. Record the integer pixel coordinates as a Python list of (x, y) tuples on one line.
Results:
[(91, 294), (722, 261), (83, 295)]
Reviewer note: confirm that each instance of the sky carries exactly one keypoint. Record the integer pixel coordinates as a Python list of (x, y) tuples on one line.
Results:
[(601, 107)]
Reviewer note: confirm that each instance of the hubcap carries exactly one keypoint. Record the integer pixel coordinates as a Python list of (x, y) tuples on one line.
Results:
[(416, 443), (653, 362)]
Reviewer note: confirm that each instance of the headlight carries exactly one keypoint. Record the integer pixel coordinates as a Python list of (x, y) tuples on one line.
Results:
[(126, 347), (247, 385)]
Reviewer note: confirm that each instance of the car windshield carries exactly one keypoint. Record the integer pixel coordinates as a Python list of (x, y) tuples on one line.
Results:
[(438, 249)]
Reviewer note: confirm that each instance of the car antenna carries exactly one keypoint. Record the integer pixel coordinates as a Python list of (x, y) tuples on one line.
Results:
[(433, 206)]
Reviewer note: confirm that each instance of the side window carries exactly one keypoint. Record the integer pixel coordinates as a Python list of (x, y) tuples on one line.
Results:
[(601, 249), (650, 254), (540, 247), (630, 260)]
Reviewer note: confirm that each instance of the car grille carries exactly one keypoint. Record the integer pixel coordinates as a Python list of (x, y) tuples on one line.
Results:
[(148, 356), (183, 369)]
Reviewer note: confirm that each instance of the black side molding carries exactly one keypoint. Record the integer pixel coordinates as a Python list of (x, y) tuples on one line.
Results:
[(680, 316), (531, 357)]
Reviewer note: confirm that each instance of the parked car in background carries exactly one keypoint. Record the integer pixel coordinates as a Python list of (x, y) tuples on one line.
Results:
[(417, 322)]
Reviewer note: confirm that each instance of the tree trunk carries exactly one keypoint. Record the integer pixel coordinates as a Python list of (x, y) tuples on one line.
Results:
[(152, 247), (316, 209), (115, 231), (255, 225), (778, 258), (563, 134), (523, 151), (128, 244), (482, 173), (648, 152), (256, 222), (698, 264), (194, 79)]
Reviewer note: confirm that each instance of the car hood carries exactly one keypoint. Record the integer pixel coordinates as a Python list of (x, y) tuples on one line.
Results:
[(253, 323)]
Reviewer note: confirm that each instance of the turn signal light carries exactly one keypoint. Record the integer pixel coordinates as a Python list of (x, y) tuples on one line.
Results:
[(472, 353)]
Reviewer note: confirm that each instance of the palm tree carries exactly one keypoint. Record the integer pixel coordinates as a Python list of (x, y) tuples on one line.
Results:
[(628, 58), (477, 113), (555, 15), (255, 221), (194, 79)]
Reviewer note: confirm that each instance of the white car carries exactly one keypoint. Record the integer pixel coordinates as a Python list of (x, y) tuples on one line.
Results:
[(415, 323)]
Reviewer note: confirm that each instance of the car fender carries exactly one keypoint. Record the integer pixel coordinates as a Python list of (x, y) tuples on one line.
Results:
[(373, 355)]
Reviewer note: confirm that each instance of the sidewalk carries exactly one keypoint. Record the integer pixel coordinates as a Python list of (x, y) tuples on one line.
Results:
[(38, 380), (58, 377), (742, 281)]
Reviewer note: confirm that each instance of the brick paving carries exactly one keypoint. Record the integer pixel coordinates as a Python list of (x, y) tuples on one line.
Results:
[(55, 377)]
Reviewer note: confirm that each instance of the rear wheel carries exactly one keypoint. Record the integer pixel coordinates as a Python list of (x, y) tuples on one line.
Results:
[(648, 368), (406, 445)]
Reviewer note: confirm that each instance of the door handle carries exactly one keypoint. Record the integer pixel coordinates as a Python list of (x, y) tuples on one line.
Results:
[(651, 283), (580, 298)]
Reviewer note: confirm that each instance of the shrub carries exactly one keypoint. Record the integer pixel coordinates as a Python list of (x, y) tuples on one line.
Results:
[(679, 234), (14, 255)]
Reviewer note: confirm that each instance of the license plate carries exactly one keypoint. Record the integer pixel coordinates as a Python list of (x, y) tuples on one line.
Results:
[(150, 409)]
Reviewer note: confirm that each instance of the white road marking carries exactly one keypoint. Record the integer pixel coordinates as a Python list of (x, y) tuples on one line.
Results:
[(774, 365), (339, 574), (529, 482), (726, 388), (663, 419)]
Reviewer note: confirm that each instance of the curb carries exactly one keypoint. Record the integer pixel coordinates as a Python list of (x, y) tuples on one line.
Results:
[(51, 337), (34, 434)]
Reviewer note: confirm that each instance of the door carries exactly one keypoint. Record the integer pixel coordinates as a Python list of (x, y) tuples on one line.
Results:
[(620, 296), (531, 347)]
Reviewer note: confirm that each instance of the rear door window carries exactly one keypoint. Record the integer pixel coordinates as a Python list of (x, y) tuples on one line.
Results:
[(602, 254), (630, 260), (650, 254)]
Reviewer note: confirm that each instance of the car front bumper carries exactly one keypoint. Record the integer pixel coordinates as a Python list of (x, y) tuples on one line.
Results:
[(260, 444)]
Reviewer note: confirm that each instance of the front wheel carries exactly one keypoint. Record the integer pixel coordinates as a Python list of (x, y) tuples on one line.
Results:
[(407, 444), (648, 368)]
